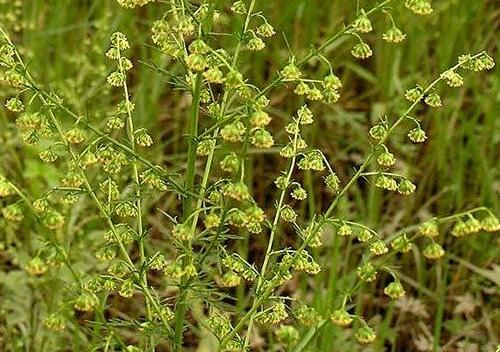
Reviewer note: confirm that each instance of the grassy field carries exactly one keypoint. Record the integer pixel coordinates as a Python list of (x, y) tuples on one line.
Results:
[(185, 301)]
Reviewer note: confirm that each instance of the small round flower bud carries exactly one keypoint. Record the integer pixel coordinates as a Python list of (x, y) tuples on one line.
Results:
[(361, 51), (125, 210), (312, 161), (314, 94), (109, 285), (386, 159), (143, 138), (75, 136), (116, 79), (214, 75), (288, 214), (414, 94), (378, 132), (433, 251), (490, 223), (198, 46), (126, 289), (341, 317), (233, 132), (126, 64), (302, 88), (196, 62), (281, 182), (237, 217), (72, 179), (459, 229), (362, 24), (288, 151), (261, 102), (262, 138), (299, 193), (378, 247), (307, 316), (332, 82), (115, 122), (182, 232), (53, 220), (419, 7), (237, 191), (93, 285), (86, 302), (434, 100), (13, 213), (256, 44), (113, 53), (48, 155), (330, 96), (239, 7), (36, 267), (417, 135), (386, 182), (204, 147), (211, 220), (253, 227), (260, 118), (401, 244), (365, 335), (452, 78), (5, 188), (472, 225), (344, 230), (394, 35), (429, 229), (395, 290), (254, 214), (406, 187), (119, 41), (152, 180), (158, 263), (41, 205), (215, 197), (14, 105), (230, 279), (305, 115), (185, 26), (291, 72), (230, 163), (364, 235), (106, 253), (367, 272), (265, 30), (332, 181), (55, 322)]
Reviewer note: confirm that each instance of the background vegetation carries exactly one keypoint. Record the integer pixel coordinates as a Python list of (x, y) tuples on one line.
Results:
[(451, 305)]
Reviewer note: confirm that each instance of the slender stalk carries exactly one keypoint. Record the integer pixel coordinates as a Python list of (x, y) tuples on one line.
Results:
[(193, 134), (135, 173)]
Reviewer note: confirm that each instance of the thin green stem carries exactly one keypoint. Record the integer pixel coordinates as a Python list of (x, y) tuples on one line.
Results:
[(193, 134)]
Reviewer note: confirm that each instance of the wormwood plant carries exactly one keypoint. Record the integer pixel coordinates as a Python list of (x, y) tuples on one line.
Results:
[(198, 280)]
